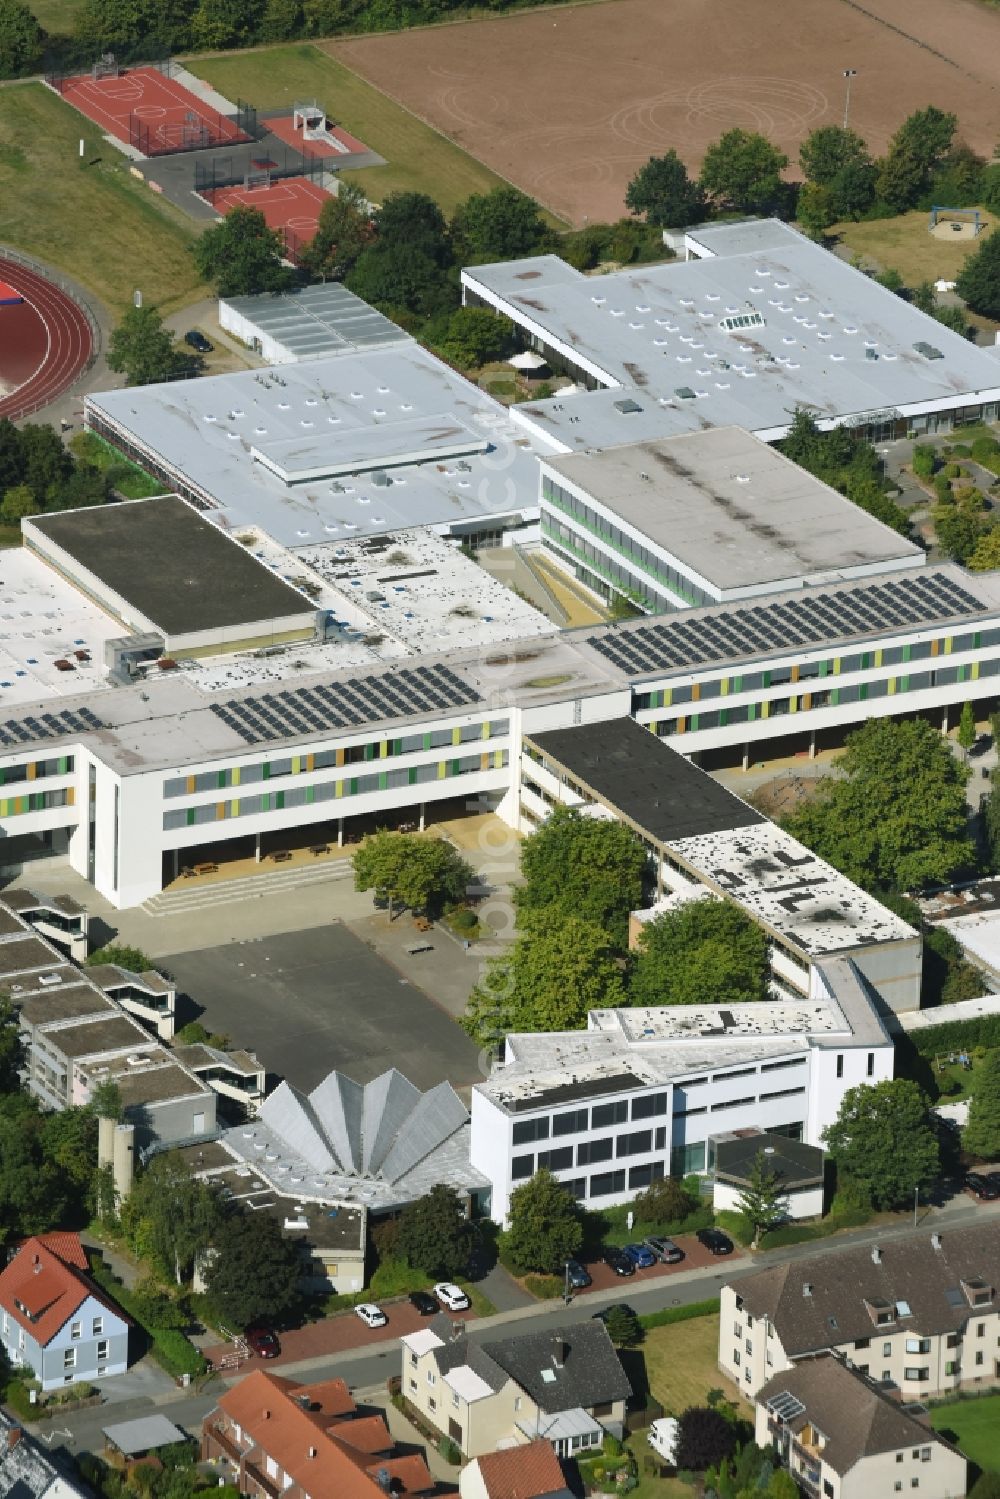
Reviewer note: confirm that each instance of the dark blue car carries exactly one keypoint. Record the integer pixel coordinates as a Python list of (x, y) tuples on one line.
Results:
[(640, 1256)]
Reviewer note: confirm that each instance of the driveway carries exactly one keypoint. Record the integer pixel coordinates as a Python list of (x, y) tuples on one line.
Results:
[(308, 1002)]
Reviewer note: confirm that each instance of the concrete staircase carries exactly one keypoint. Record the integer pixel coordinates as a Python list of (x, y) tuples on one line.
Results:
[(209, 894)]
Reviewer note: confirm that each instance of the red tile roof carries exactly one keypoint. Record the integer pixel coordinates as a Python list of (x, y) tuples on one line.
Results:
[(368, 1434), (48, 1286), (522, 1472), (315, 1452)]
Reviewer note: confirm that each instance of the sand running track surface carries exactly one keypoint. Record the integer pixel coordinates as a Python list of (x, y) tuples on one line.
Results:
[(568, 102)]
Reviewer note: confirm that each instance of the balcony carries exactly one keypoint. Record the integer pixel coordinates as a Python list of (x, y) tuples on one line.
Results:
[(268, 1486), (225, 1443)]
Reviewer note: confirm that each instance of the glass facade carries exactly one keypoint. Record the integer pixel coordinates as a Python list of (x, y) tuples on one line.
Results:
[(36, 801)]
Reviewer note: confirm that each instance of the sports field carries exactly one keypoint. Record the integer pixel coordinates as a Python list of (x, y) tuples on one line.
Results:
[(157, 114), (419, 158), (291, 204), (568, 103), (89, 217)]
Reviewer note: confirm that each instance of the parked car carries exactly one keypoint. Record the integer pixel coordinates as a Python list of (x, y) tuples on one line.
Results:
[(452, 1298), (715, 1241), (618, 1261), (197, 340), (424, 1303), (370, 1314), (263, 1341), (666, 1251), (985, 1188), (640, 1255), (577, 1275)]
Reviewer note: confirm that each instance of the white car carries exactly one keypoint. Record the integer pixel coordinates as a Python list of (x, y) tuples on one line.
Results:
[(452, 1297), (370, 1314)]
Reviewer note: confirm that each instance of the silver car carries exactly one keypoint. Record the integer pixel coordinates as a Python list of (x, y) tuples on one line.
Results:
[(666, 1251)]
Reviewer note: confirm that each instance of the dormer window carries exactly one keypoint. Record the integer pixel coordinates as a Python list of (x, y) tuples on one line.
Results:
[(882, 1313), (977, 1292)]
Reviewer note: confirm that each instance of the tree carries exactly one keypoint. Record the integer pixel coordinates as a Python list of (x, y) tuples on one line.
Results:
[(967, 728), (742, 172), (836, 161), (33, 1192), (21, 39), (170, 1217), (241, 255), (815, 209), (10, 1046), (663, 193), (121, 955), (559, 969), (416, 871), (106, 1101), (397, 278), (624, 1328), (985, 556), (143, 350), (781, 1485), (281, 21), (884, 1142), (762, 1199), (981, 1136), (545, 1228), (706, 951), (435, 1235), (498, 225), (476, 335), (583, 866), (17, 503), (895, 816), (978, 282), (664, 1202), (344, 229), (415, 220), (254, 1273), (225, 23), (920, 144), (45, 462), (705, 1438)]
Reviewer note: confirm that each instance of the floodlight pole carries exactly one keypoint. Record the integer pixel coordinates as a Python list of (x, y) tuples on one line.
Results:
[(849, 73)]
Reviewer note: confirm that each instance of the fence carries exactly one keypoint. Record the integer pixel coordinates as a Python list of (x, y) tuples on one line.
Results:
[(200, 129), (96, 339), (60, 73), (233, 171)]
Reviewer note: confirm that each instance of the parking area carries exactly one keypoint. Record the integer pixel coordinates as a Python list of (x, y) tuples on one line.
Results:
[(338, 1334), (311, 1001), (696, 1257)]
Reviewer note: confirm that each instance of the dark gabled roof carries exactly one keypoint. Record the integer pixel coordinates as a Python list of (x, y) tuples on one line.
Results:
[(908, 1272), (568, 1367), (854, 1416), (457, 1352)]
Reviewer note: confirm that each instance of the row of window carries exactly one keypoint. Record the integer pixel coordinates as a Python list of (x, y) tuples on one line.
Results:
[(36, 770), (589, 1152), (324, 791), (832, 698), (36, 801), (609, 1183), (599, 1116), (352, 754), (734, 1103)]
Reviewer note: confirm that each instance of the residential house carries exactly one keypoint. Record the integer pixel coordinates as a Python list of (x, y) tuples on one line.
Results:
[(57, 1321), (921, 1314), (842, 1437), (529, 1472), (307, 1442), (26, 1472), (566, 1386)]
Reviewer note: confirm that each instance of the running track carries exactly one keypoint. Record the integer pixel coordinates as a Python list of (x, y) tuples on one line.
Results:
[(64, 341)]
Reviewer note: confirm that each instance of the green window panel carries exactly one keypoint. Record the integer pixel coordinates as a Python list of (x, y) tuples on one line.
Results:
[(279, 801), (383, 781)]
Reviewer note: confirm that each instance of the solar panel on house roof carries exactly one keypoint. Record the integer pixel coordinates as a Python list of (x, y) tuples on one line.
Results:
[(812, 619), (310, 710)]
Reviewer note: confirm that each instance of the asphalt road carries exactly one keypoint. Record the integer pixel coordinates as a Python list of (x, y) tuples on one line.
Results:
[(366, 1368), (311, 1001)]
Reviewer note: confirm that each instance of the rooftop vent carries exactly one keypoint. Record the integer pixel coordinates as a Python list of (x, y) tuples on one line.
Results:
[(807, 1289), (935, 1241), (928, 350), (627, 407), (684, 393), (876, 1255)]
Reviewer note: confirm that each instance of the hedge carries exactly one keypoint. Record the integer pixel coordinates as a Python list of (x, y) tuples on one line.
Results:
[(956, 1035), (671, 1314)]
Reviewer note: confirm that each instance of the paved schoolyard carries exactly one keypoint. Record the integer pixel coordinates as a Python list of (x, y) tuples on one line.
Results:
[(310, 1001)]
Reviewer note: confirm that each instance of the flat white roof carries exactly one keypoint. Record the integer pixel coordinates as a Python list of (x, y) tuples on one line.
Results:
[(736, 512), (738, 339), (44, 620), (785, 887), (334, 448)]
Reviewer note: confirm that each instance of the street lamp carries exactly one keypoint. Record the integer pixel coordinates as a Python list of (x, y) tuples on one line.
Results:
[(567, 1293), (849, 73)]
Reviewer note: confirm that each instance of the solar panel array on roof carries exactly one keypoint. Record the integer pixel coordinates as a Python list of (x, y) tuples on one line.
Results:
[(48, 726), (809, 619), (785, 1406), (345, 705)]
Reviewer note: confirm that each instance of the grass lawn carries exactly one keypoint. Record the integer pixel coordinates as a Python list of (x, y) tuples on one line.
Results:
[(56, 16), (976, 1424), (682, 1363), (96, 222), (419, 159), (904, 244)]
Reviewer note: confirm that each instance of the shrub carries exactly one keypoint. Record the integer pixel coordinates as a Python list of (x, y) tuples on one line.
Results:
[(738, 1225), (986, 451), (671, 1314), (450, 1451), (952, 471), (924, 461), (464, 920)]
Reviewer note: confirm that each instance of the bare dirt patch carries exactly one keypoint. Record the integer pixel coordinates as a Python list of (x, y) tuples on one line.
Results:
[(567, 103)]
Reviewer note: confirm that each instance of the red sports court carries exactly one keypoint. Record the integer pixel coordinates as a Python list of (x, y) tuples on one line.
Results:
[(291, 204), (331, 141), (152, 112)]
